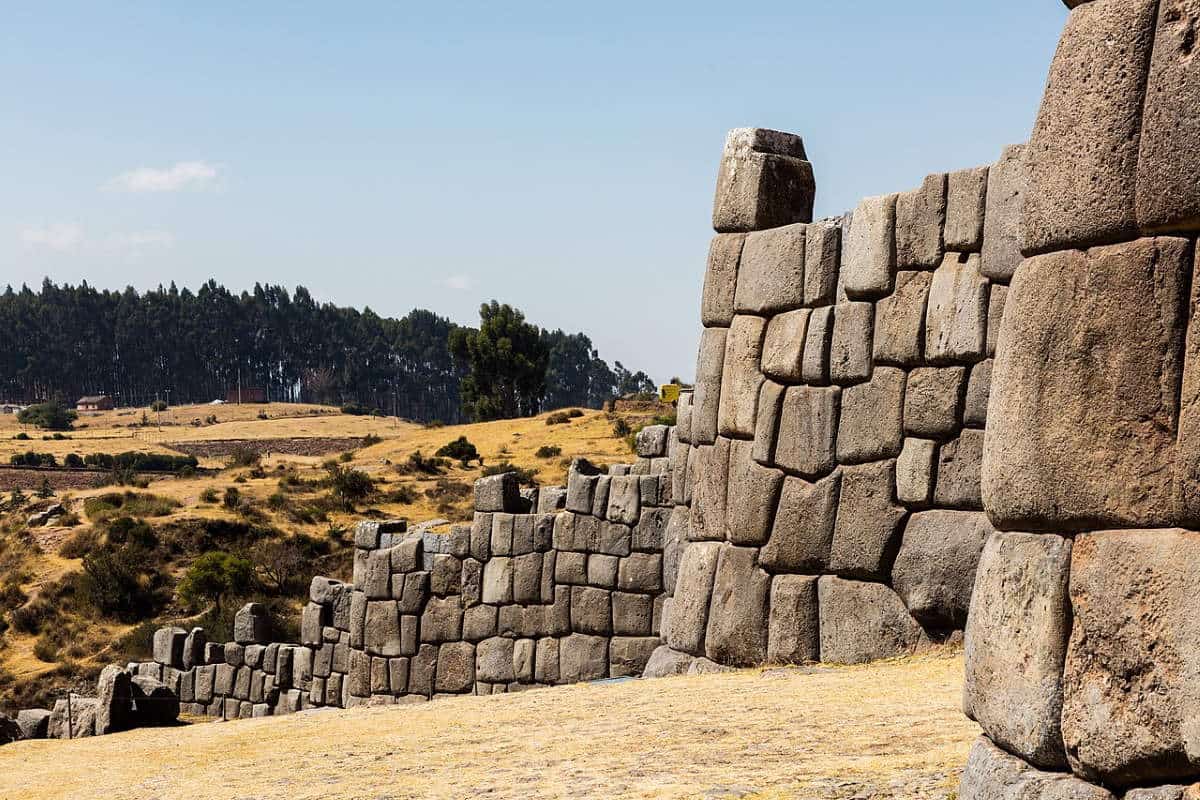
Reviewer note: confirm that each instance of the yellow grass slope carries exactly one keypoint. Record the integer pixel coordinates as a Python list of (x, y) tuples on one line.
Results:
[(892, 729)]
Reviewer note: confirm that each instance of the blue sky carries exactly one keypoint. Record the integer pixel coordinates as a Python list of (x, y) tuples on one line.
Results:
[(556, 156)]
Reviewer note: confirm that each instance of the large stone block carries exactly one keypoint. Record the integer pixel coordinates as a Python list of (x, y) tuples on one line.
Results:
[(764, 181), (114, 699), (958, 471), (628, 655), (920, 217), (710, 491), (624, 499), (862, 622), (992, 774), (803, 531), (997, 296), (665, 662), (808, 426), (740, 377), (168, 646), (720, 279), (771, 272), (870, 249), (1091, 363), (706, 398), (737, 617), (441, 621), (494, 660), (956, 315), (674, 540), (1169, 151), (979, 389), (966, 193), (582, 658), (1016, 644), (850, 345), (900, 321), (871, 425), (915, 472), (822, 258), (251, 624), (933, 401), (1007, 185), (591, 610), (935, 568), (814, 364), (497, 581), (753, 492), (455, 667), (498, 493), (689, 613), (866, 534), (1131, 682), (793, 632), (1083, 168), (783, 347), (154, 703)]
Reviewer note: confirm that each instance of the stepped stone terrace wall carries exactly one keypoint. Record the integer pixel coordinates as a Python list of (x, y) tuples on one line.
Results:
[(835, 433), (1081, 648)]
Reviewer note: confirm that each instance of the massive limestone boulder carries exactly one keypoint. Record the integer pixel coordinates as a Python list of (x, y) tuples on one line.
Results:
[(114, 699), (765, 181), (737, 618), (934, 571), (862, 621), (992, 774), (154, 703)]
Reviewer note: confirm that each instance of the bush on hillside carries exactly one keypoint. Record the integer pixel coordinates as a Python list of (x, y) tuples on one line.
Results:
[(460, 450), (548, 451), (51, 416), (216, 576)]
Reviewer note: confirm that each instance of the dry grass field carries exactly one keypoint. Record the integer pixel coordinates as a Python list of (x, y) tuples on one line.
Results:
[(887, 730)]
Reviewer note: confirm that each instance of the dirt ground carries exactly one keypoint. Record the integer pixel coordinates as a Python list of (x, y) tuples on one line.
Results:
[(888, 730)]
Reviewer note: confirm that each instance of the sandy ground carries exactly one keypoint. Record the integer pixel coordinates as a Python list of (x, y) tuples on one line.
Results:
[(886, 730)]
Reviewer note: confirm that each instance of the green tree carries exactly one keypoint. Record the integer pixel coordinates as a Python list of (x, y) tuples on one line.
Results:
[(52, 416), (348, 485), (506, 360), (216, 575)]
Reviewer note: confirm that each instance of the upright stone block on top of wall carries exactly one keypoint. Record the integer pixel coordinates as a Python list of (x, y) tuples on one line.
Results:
[(706, 398), (498, 493), (1007, 184), (822, 261), (870, 248), (740, 377), (168, 646), (764, 181), (966, 201), (720, 279), (920, 217), (251, 625), (1016, 644), (862, 621), (737, 617), (1091, 365), (1083, 167), (771, 272)]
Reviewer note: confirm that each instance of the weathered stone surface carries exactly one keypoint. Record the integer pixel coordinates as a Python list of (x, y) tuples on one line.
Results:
[(935, 568), (933, 401), (808, 425), (706, 398), (956, 315), (497, 581), (251, 624), (803, 531), (1090, 364), (992, 774), (979, 388), (194, 646), (168, 646), (900, 321), (871, 425), (494, 660), (591, 610), (153, 703), (440, 622), (740, 376), (624, 499), (1083, 169), (862, 622), (455, 667), (822, 259), (766, 426), (737, 617), (633, 614), (958, 471), (764, 181), (914, 471), (665, 662), (966, 202), (997, 296), (628, 655), (720, 279), (1131, 681), (814, 366), (114, 699), (498, 493), (870, 254), (602, 570), (1007, 185), (793, 636), (850, 345), (711, 474), (582, 658), (33, 722), (866, 534), (1016, 644), (545, 661), (920, 217), (753, 492), (651, 441), (783, 347), (771, 272), (693, 589)]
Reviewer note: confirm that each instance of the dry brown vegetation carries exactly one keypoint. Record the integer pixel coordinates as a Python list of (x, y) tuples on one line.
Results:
[(891, 729)]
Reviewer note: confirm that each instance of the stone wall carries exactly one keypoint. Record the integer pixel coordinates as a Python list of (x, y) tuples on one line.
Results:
[(1081, 662), (833, 439)]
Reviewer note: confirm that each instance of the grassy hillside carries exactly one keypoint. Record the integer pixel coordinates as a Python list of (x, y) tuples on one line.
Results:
[(891, 729), (277, 510)]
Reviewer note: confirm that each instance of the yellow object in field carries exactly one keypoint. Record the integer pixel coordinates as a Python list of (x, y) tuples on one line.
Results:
[(669, 392)]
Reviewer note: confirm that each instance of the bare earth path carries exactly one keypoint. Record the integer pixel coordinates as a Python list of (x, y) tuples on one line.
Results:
[(886, 730)]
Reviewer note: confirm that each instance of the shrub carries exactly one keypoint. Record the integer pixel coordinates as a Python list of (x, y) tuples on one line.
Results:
[(31, 617), (524, 476), (244, 457), (448, 491), (46, 649), (575, 413), (141, 462), (22, 436), (232, 498), (419, 463), (371, 439), (548, 451), (349, 485), (460, 450), (405, 494), (346, 457), (209, 495), (11, 595), (158, 405), (79, 543), (134, 531), (357, 410), (51, 416), (129, 504), (558, 418), (122, 583), (214, 576), (73, 461), (32, 459)]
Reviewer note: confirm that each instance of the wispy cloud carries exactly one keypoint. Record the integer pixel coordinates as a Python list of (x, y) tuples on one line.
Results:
[(459, 283), (63, 237), (175, 178), (142, 240)]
